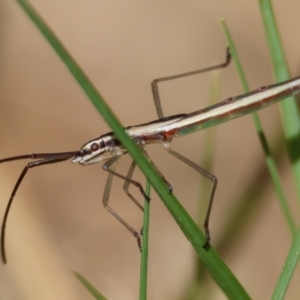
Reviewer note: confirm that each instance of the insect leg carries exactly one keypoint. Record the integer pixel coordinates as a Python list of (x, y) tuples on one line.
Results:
[(109, 167), (127, 183), (209, 176), (154, 84)]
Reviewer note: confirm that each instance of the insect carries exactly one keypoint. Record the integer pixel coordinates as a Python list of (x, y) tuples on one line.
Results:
[(108, 149)]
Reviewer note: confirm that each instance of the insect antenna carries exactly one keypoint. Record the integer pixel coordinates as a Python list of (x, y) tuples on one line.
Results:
[(43, 159)]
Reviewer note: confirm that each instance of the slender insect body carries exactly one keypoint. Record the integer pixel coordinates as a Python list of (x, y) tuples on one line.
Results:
[(234, 107), (108, 149), (153, 132)]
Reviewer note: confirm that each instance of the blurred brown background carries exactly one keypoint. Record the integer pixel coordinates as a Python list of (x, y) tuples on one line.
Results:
[(57, 223)]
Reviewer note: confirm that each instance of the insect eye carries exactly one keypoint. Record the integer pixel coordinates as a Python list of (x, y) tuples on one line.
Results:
[(94, 147)]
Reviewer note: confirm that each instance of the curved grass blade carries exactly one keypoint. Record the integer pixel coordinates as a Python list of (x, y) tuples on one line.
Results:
[(145, 238), (270, 162), (195, 287), (288, 269), (289, 107), (89, 287)]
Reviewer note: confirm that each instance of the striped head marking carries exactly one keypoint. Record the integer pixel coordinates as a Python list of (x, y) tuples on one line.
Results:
[(100, 149)]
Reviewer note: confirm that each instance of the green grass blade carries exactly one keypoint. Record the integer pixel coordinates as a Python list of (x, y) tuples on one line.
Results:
[(90, 287), (289, 108), (214, 264), (195, 287), (288, 269), (248, 202), (145, 238), (209, 147), (270, 162)]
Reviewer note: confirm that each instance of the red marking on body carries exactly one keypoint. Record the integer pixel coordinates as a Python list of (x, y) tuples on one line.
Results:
[(169, 134)]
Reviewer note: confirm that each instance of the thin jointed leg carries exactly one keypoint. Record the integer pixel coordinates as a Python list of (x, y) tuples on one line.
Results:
[(154, 84), (109, 167), (127, 183), (129, 176), (157, 102), (209, 176)]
